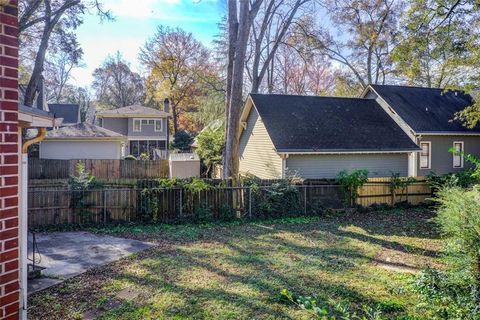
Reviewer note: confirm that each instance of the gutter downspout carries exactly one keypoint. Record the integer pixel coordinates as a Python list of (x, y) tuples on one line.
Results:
[(23, 221)]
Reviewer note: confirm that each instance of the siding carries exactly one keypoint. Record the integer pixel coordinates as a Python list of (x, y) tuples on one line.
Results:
[(148, 130), (442, 160), (328, 166), (257, 154), (119, 125), (67, 150)]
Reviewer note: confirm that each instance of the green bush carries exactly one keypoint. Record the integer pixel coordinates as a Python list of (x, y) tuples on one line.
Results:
[(81, 184), (455, 292), (182, 140), (351, 182), (278, 199), (130, 157)]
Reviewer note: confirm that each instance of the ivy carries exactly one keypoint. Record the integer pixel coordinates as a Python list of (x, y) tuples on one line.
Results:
[(351, 182)]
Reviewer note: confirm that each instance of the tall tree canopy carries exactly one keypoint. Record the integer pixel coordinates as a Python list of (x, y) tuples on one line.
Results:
[(116, 85)]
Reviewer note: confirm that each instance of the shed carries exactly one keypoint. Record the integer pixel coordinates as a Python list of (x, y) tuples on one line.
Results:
[(184, 165)]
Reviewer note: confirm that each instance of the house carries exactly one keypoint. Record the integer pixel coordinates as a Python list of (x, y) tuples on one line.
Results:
[(146, 128), (317, 137), (390, 129), (426, 115), (70, 113), (82, 141)]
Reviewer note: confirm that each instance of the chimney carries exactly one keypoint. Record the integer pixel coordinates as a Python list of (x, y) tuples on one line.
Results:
[(41, 105), (166, 105)]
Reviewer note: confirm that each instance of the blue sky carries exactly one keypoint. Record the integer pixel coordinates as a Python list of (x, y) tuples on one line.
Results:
[(136, 21)]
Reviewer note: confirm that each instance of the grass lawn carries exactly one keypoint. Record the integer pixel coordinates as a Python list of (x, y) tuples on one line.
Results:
[(236, 271)]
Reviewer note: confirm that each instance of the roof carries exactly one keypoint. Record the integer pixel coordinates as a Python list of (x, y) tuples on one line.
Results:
[(133, 111), (183, 157), (83, 131), (329, 124), (69, 112), (427, 109)]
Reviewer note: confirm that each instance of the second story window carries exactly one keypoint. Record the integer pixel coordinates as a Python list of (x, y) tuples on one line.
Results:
[(425, 155), (457, 157), (137, 125), (158, 125)]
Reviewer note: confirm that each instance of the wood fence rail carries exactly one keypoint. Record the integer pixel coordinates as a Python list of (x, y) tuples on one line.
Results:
[(58, 206), (102, 169)]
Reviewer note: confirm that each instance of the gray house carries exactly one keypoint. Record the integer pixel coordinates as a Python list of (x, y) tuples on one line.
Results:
[(426, 115), (391, 129), (70, 113), (146, 128)]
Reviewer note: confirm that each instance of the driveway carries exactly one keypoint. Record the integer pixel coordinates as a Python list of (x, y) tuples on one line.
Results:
[(67, 254)]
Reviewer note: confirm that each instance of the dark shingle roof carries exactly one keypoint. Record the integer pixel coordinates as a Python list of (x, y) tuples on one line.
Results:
[(308, 123), (69, 112), (426, 109), (82, 130)]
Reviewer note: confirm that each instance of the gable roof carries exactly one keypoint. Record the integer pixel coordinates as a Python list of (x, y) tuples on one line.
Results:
[(84, 131), (427, 109), (329, 124), (69, 112), (133, 111)]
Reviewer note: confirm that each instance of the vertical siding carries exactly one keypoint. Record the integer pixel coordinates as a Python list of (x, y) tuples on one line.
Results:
[(442, 160), (328, 166), (257, 154)]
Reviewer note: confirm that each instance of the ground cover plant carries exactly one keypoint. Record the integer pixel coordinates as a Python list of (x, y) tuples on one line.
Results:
[(360, 264)]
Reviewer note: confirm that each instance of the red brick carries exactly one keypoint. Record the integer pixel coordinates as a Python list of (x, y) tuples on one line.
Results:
[(9, 94), (11, 159), (11, 181), (9, 255), (9, 277), (9, 299), (8, 234), (14, 286), (9, 20), (11, 137), (8, 127), (11, 311), (8, 213), (8, 105), (9, 72), (9, 41), (11, 265), (8, 148), (11, 223), (8, 191), (8, 83), (10, 31), (11, 9), (11, 202), (10, 116)]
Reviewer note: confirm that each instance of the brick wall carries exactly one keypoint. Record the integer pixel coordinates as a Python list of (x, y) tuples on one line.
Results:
[(9, 163)]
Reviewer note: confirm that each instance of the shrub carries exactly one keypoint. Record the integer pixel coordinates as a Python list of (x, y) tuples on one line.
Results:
[(210, 144), (278, 199), (182, 140), (351, 182), (455, 293), (80, 184), (130, 157)]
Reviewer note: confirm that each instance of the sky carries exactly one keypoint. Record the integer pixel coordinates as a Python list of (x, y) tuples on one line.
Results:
[(135, 22)]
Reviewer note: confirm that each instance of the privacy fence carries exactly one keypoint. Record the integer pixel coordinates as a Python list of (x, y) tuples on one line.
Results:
[(101, 169), (59, 206)]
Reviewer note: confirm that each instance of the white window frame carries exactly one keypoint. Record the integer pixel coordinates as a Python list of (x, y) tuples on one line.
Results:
[(460, 156), (139, 125), (155, 125), (429, 155)]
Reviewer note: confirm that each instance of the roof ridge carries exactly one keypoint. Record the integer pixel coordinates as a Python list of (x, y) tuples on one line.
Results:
[(306, 96)]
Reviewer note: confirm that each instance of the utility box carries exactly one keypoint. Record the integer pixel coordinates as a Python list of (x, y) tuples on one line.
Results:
[(184, 165)]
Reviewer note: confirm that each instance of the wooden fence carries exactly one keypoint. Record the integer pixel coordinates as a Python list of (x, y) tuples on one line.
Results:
[(59, 205), (102, 169)]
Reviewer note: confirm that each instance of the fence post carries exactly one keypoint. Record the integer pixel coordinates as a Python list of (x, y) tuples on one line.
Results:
[(181, 202), (104, 206), (250, 202), (305, 200)]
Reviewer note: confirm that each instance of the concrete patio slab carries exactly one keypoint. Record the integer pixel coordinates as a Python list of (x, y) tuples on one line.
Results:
[(67, 254)]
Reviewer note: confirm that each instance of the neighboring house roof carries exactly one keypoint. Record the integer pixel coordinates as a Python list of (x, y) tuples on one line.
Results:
[(83, 131), (69, 112), (329, 124), (426, 110), (134, 111), (183, 157)]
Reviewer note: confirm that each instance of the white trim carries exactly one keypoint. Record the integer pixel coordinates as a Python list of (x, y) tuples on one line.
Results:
[(120, 115), (140, 125), (425, 133), (343, 152), (460, 156), (141, 138), (429, 155), (155, 125)]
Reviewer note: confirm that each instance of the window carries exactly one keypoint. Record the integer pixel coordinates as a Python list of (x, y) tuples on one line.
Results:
[(144, 121), (425, 155), (457, 157), (137, 125), (158, 125), (150, 122)]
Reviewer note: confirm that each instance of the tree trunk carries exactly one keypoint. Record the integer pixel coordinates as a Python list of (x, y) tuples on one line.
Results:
[(174, 118)]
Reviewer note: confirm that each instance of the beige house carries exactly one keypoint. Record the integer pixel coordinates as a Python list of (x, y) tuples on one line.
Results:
[(391, 129), (82, 141)]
